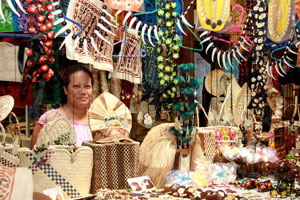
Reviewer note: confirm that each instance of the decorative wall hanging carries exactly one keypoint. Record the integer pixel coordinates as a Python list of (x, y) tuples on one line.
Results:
[(213, 14), (129, 66), (281, 18), (94, 44), (212, 82)]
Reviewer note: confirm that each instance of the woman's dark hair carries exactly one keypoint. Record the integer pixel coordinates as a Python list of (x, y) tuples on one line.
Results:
[(66, 72)]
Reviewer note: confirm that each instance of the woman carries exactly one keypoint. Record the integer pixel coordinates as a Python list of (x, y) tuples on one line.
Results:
[(77, 83)]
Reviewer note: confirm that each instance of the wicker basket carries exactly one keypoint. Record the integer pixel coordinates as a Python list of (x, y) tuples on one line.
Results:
[(8, 153), (114, 163)]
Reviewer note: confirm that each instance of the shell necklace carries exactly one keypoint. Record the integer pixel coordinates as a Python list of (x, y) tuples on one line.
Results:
[(213, 14), (279, 19)]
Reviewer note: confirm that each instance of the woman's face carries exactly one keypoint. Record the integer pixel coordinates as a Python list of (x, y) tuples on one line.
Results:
[(79, 91)]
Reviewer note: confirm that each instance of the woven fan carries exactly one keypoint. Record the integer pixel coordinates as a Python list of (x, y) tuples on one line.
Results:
[(56, 132), (107, 111), (241, 104), (212, 82), (6, 106)]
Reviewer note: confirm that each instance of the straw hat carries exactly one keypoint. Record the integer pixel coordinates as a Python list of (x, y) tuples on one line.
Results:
[(212, 82), (109, 118), (6, 105)]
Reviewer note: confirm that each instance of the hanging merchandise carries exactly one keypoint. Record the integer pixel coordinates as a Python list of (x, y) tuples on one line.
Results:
[(92, 41), (281, 19), (185, 105), (128, 5), (129, 66), (213, 14), (257, 62), (168, 50)]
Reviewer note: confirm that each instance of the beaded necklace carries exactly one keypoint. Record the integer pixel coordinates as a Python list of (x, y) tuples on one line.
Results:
[(213, 14)]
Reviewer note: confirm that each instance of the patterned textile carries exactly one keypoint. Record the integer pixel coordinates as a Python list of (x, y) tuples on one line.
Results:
[(7, 177), (114, 163), (87, 14), (22, 20), (6, 26), (7, 158), (151, 17), (129, 68), (202, 69)]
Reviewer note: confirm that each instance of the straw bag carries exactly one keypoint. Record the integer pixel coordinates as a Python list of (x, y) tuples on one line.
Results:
[(114, 163), (60, 166), (8, 152), (56, 132), (15, 184)]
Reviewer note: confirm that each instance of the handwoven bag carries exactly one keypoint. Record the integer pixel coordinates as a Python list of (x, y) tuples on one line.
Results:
[(114, 163), (8, 152), (56, 132), (57, 166), (15, 184)]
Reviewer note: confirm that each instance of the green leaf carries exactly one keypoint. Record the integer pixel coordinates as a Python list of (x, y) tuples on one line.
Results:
[(184, 116), (180, 79), (189, 90)]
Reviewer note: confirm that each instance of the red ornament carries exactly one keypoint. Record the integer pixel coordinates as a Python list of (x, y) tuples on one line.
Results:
[(31, 29), (47, 77), (43, 38), (51, 72), (49, 43), (50, 7), (29, 52), (43, 28), (50, 52), (50, 34), (41, 18), (30, 1), (44, 68), (42, 59), (30, 63), (35, 74), (52, 60), (49, 25), (31, 9), (42, 1), (50, 17), (31, 20), (34, 80), (41, 8)]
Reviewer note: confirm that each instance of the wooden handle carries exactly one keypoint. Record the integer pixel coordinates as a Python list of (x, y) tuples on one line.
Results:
[(17, 127)]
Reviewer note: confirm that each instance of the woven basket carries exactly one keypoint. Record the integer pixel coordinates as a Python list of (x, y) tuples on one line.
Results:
[(56, 132), (114, 163), (14, 129), (8, 153), (58, 167)]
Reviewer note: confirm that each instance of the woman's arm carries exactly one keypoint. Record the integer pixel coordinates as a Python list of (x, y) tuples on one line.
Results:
[(35, 134)]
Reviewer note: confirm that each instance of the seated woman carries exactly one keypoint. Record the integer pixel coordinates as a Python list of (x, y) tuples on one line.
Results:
[(77, 83)]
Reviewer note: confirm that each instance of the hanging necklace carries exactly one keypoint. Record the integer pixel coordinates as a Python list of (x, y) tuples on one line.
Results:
[(279, 19), (213, 14)]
